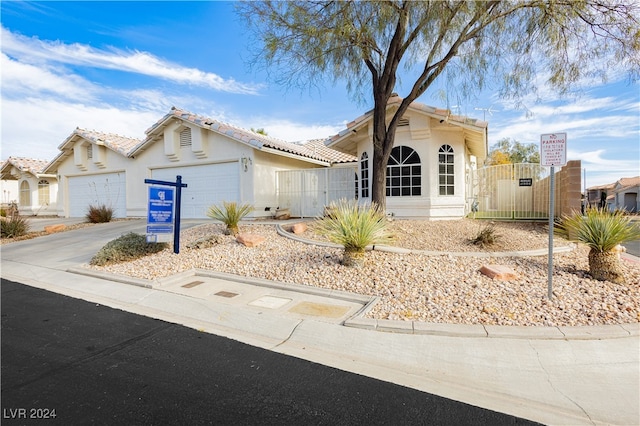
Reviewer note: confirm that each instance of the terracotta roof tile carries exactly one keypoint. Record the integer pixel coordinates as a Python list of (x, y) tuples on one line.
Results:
[(30, 165), (117, 143)]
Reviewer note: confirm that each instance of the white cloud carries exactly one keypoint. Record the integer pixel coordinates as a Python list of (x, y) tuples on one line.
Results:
[(38, 52)]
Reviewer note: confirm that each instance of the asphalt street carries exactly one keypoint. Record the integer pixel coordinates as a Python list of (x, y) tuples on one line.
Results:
[(72, 362)]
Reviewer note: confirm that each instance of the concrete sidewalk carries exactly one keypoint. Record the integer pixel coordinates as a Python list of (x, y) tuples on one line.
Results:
[(588, 375)]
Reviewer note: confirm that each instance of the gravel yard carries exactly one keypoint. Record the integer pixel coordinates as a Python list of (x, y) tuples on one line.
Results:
[(442, 288)]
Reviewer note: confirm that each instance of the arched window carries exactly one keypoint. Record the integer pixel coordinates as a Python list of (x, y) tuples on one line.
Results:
[(445, 170), (364, 174), (356, 182), (43, 192), (25, 194), (404, 173)]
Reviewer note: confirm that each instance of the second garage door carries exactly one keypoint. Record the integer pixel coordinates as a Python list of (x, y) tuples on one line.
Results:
[(95, 190), (206, 185)]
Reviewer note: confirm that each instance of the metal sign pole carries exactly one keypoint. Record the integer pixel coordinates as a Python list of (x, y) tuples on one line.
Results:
[(551, 217)]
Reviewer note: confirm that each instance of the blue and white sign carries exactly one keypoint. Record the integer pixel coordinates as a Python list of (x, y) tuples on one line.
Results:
[(160, 214)]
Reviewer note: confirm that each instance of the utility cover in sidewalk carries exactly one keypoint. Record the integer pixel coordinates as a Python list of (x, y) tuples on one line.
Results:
[(193, 284), (319, 309), (227, 294), (270, 302)]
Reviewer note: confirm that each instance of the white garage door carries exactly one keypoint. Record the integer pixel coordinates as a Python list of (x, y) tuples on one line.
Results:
[(96, 190), (206, 185)]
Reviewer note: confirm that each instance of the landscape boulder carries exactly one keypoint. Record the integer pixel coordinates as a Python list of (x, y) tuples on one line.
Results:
[(499, 272), (250, 240), (299, 228), (50, 229)]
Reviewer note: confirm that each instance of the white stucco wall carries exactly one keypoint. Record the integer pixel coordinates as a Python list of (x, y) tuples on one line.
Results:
[(426, 136)]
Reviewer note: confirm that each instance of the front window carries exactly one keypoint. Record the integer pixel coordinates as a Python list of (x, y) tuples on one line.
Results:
[(445, 170), (404, 173), (43, 192), (25, 194), (364, 174)]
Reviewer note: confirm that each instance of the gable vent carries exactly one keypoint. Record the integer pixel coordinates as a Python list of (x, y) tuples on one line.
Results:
[(89, 152), (403, 122), (185, 138)]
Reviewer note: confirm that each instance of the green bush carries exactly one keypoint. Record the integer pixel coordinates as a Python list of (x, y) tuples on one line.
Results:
[(17, 226), (99, 214), (230, 213), (487, 236), (354, 226), (130, 246)]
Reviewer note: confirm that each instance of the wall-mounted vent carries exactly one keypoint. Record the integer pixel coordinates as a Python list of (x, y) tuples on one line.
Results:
[(89, 152), (403, 122), (185, 138)]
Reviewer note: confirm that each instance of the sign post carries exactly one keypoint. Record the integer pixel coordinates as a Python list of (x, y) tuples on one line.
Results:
[(158, 217), (553, 152)]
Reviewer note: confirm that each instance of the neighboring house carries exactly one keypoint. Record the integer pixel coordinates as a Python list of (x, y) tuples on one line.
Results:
[(624, 194), (34, 189), (93, 169), (8, 190), (217, 161), (433, 155)]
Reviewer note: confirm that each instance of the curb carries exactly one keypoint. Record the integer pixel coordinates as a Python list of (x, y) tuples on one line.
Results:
[(598, 332)]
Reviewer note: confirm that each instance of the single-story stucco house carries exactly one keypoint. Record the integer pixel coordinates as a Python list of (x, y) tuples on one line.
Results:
[(428, 171), (624, 194), (217, 161), (25, 182)]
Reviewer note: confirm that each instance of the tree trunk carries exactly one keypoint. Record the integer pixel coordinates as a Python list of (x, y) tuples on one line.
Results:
[(353, 257), (605, 266)]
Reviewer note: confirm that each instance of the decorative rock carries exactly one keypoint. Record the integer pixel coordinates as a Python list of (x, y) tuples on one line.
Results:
[(54, 228), (499, 272), (283, 214), (299, 228), (250, 240)]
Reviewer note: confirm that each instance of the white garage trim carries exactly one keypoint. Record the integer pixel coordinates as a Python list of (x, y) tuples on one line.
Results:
[(206, 185), (107, 189)]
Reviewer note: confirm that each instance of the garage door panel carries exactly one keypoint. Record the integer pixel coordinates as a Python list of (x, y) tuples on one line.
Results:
[(206, 185), (95, 190)]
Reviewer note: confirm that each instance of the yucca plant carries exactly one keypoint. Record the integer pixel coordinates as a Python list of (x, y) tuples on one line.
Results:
[(354, 226), (230, 213), (602, 231), (17, 226)]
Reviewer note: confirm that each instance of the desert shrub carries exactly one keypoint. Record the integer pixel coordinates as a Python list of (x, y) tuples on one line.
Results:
[(99, 214), (602, 231), (17, 226), (230, 213), (354, 226), (487, 236), (130, 246)]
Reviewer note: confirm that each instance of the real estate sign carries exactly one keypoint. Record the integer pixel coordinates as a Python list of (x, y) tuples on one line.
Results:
[(160, 225), (553, 149)]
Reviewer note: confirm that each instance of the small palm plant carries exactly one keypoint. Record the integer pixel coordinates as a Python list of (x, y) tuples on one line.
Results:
[(602, 231), (354, 226), (230, 213)]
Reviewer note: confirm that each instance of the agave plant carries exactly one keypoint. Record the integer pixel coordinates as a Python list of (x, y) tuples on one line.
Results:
[(602, 231), (354, 226), (230, 213)]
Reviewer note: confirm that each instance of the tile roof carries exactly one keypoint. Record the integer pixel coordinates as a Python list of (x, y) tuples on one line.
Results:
[(313, 151), (437, 112), (120, 144), (23, 164)]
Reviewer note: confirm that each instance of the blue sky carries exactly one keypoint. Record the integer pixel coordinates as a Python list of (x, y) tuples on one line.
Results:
[(118, 67)]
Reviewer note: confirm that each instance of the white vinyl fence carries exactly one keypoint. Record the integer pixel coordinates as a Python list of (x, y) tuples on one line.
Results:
[(306, 192)]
